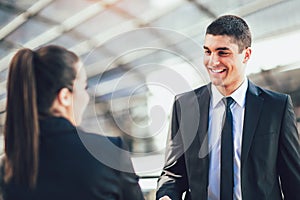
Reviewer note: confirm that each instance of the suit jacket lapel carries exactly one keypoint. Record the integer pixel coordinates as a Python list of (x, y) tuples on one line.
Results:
[(200, 145), (197, 164), (204, 102), (253, 109)]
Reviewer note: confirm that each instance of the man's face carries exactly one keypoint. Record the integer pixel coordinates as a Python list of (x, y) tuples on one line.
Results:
[(225, 65)]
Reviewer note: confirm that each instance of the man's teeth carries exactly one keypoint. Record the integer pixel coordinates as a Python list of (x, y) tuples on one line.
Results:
[(217, 70)]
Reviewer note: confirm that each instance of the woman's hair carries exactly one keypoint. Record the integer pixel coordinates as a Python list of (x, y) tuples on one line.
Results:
[(35, 78)]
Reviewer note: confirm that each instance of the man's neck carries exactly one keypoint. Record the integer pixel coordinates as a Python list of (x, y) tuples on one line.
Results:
[(228, 90)]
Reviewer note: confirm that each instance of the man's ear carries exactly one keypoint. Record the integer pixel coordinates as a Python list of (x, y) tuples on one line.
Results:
[(247, 56), (64, 97)]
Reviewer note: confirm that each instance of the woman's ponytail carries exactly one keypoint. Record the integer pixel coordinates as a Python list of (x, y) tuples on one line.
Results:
[(21, 129)]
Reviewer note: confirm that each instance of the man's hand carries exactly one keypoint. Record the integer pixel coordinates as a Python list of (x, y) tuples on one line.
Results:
[(165, 198)]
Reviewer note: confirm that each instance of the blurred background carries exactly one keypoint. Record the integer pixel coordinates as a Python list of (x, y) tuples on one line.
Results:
[(139, 54)]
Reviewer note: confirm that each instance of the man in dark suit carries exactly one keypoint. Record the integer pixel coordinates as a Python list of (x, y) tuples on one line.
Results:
[(231, 139)]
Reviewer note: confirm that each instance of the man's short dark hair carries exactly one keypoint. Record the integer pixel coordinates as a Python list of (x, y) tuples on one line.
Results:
[(232, 26)]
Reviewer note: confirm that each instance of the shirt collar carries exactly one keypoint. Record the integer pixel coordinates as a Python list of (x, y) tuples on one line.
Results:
[(216, 96), (239, 95)]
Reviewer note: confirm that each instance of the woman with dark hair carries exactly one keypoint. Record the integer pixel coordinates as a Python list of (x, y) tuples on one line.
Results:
[(46, 155)]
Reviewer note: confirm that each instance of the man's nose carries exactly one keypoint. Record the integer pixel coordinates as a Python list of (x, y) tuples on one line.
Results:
[(213, 60)]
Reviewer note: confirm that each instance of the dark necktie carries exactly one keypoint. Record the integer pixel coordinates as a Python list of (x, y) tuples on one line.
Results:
[(226, 192)]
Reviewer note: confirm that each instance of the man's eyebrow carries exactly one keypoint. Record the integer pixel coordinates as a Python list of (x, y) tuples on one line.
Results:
[(218, 49), (222, 48)]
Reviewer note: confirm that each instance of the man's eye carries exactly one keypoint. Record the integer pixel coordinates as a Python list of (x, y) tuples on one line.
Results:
[(223, 53), (207, 52)]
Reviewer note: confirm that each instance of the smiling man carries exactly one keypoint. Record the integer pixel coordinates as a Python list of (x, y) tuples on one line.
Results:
[(246, 144)]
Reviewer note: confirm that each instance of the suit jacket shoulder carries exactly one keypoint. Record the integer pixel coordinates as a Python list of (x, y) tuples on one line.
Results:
[(198, 92), (266, 92)]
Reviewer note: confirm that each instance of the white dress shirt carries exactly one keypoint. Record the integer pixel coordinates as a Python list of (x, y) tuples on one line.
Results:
[(216, 120)]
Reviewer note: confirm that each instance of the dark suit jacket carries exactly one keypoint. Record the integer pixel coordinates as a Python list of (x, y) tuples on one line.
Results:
[(270, 160), (69, 170)]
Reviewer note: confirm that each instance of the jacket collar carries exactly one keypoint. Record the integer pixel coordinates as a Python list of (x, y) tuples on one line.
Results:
[(253, 107), (55, 125)]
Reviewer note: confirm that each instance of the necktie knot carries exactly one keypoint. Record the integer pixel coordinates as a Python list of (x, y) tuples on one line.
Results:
[(228, 102)]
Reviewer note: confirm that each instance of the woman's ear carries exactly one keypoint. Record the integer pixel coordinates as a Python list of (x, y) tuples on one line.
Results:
[(64, 97)]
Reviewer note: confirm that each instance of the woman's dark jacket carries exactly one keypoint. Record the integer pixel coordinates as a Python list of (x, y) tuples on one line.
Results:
[(80, 166)]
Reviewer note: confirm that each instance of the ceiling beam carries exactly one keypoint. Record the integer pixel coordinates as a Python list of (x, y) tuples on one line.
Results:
[(143, 20), (56, 31), (23, 17), (204, 9)]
